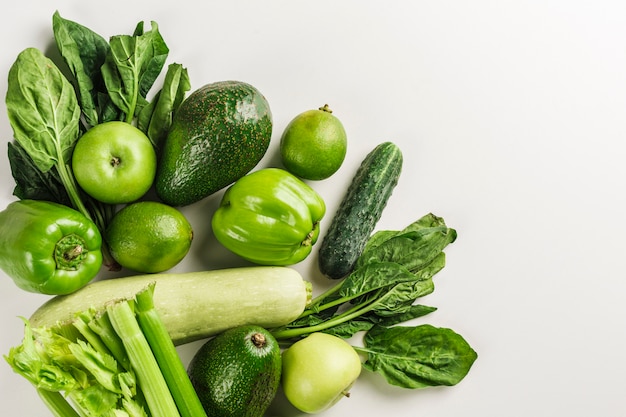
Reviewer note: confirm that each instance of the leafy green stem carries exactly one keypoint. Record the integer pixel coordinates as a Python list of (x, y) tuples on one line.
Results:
[(321, 297), (290, 333), (317, 306), (72, 189), (130, 116), (56, 403), (101, 215)]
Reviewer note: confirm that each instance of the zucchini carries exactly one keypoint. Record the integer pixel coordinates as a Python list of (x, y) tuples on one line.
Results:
[(196, 305), (360, 210)]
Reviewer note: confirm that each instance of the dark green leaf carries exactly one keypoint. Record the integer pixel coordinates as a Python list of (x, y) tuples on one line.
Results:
[(401, 296), (84, 51), (155, 51), (402, 293), (350, 328), (108, 110), (155, 118), (425, 222), (414, 246), (132, 66), (418, 357), (413, 312), (372, 277), (31, 183), (367, 321)]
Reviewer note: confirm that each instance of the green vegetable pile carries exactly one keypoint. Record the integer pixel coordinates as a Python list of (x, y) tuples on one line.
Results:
[(115, 355), (49, 111)]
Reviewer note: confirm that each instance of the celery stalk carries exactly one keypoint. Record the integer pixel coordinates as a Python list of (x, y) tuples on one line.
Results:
[(169, 361), (57, 404), (82, 325), (101, 325), (153, 385)]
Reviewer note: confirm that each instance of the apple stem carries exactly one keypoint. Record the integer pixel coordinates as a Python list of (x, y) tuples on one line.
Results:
[(115, 161), (346, 394)]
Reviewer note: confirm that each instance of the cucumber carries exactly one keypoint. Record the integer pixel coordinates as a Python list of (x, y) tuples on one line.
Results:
[(360, 210), (196, 305)]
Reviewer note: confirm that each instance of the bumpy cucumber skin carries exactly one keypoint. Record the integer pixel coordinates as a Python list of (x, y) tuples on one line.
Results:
[(196, 305), (219, 133), (233, 376), (360, 210)]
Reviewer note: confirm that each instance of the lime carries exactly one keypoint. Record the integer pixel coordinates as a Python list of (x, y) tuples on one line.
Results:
[(149, 236), (314, 144)]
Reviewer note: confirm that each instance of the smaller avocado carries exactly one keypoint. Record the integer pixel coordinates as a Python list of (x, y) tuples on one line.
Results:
[(237, 373)]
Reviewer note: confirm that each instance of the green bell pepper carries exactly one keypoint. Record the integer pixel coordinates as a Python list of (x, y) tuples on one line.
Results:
[(47, 247), (269, 217)]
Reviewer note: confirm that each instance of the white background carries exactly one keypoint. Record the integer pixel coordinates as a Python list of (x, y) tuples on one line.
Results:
[(511, 118)]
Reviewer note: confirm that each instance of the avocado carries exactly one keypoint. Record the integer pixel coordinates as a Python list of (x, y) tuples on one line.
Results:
[(218, 134), (237, 373)]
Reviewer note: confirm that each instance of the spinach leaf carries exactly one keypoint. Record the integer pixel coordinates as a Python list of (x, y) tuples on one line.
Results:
[(415, 246), (155, 118), (132, 66), (412, 312), (44, 113), (155, 52), (43, 110), (84, 51), (108, 110), (400, 297), (417, 357), (373, 277), (427, 221), (367, 321), (31, 183)]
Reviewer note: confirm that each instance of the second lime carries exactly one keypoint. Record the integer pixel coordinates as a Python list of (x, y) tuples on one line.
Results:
[(314, 144), (149, 237)]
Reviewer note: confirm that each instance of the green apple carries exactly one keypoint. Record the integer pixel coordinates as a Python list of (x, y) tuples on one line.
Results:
[(318, 371), (114, 162)]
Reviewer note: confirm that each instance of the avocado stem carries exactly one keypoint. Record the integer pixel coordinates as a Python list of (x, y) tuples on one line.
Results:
[(258, 340)]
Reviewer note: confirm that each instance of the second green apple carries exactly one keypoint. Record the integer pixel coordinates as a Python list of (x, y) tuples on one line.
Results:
[(318, 371)]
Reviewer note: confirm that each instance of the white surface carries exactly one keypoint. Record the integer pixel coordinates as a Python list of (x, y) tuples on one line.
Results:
[(511, 117)]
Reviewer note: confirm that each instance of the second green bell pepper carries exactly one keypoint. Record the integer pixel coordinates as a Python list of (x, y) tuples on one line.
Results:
[(269, 217), (47, 247)]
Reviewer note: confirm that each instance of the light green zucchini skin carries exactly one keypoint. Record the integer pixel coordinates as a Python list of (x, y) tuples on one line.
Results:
[(360, 210), (196, 305)]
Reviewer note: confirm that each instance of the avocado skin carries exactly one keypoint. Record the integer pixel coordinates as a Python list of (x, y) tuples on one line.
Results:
[(233, 377), (219, 133)]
